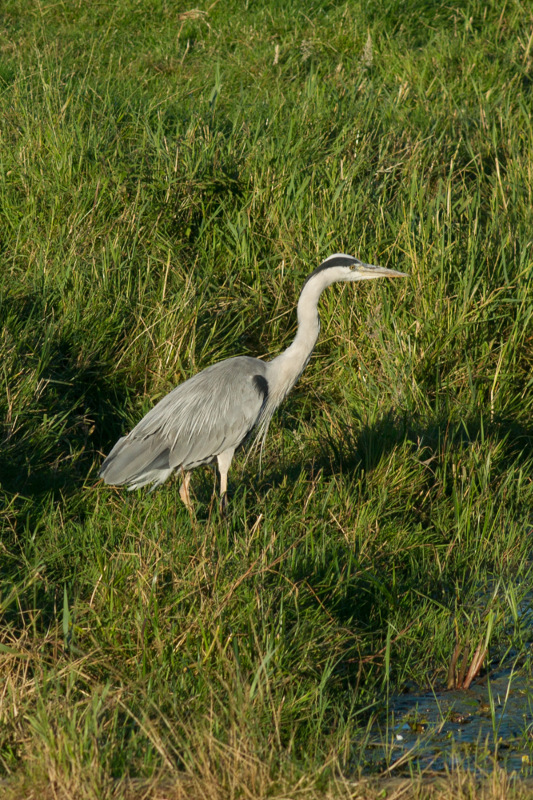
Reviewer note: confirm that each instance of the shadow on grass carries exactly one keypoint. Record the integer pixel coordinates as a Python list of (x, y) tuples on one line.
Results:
[(363, 448), (55, 399)]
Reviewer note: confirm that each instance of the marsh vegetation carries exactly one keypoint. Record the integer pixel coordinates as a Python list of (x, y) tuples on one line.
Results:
[(169, 175)]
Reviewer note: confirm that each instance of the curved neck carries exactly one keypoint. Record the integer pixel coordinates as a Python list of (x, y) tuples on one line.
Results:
[(289, 365), (308, 321)]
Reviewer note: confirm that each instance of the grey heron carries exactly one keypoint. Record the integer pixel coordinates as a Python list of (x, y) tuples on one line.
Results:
[(210, 415)]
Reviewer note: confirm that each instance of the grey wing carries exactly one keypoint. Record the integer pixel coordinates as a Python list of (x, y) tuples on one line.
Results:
[(208, 414)]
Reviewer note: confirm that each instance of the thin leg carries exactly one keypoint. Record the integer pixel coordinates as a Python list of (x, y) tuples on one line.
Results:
[(224, 463), (224, 504), (184, 490)]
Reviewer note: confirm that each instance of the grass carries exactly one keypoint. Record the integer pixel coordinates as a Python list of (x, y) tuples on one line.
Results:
[(168, 177)]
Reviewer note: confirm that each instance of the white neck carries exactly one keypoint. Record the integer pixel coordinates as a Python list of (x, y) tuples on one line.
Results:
[(285, 369)]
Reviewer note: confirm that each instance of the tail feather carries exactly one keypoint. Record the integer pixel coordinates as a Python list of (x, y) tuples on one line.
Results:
[(136, 462), (155, 477)]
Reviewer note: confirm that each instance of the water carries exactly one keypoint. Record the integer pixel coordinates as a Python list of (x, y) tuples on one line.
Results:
[(489, 724)]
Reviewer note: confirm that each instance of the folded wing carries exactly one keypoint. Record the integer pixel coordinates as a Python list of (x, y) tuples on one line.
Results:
[(210, 413)]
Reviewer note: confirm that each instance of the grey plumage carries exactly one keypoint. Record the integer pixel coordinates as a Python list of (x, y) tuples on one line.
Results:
[(208, 416)]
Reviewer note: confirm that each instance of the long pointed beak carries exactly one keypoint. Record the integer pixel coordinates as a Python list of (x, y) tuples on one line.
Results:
[(378, 272)]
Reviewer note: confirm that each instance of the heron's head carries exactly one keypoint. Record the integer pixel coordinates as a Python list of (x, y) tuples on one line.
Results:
[(340, 267)]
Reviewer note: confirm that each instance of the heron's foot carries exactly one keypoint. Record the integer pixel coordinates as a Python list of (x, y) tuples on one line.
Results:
[(224, 504)]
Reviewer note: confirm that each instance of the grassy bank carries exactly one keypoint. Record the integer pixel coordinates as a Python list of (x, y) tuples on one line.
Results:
[(168, 178)]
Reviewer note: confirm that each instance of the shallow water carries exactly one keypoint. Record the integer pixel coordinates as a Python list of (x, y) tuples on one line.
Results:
[(490, 723)]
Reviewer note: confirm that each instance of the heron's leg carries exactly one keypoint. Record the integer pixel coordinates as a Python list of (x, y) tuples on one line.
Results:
[(184, 490), (224, 462)]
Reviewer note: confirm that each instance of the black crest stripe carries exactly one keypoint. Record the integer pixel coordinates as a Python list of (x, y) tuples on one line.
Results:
[(337, 261)]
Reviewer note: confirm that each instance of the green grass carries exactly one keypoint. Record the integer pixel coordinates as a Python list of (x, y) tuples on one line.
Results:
[(168, 177)]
